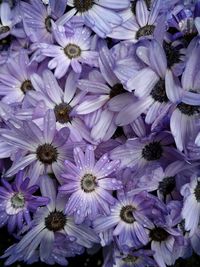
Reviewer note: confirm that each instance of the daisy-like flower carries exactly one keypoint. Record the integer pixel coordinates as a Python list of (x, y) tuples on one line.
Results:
[(104, 90), (127, 219), (9, 19), (70, 51), (142, 152), (37, 18), (47, 223), (62, 103), (166, 239), (191, 204), (148, 84), (89, 184), (17, 202), (100, 15), (15, 81), (42, 150), (139, 258), (140, 21), (165, 182), (184, 121)]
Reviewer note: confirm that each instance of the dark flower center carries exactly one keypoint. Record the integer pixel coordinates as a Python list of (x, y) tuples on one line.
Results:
[(26, 86), (126, 214), (83, 5), (159, 234), (158, 92), (47, 154), (117, 89), (55, 221), (4, 29), (188, 109), (5, 43), (130, 259), (172, 54), (62, 113), (145, 31), (197, 192), (88, 183), (167, 185), (72, 51), (118, 133), (48, 24), (152, 151), (17, 200)]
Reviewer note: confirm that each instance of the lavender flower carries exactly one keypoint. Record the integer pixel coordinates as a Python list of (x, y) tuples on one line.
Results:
[(128, 220), (89, 185), (100, 16), (70, 51), (42, 150), (18, 202), (47, 222)]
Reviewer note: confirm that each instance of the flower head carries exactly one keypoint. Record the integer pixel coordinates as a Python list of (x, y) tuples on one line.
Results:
[(89, 184)]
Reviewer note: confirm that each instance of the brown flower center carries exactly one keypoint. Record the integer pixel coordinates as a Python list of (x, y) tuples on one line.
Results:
[(62, 113), (55, 221), (26, 86), (83, 5), (72, 51), (47, 153), (88, 183), (126, 214)]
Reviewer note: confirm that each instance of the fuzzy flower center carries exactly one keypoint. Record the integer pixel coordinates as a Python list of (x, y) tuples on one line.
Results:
[(47, 153), (4, 29), (88, 183), (197, 192), (188, 110), (18, 200), (152, 151), (83, 5), (158, 92), (130, 259), (55, 221), (72, 51), (145, 31), (167, 185), (159, 234), (48, 24), (26, 86), (126, 214), (117, 89), (172, 54), (62, 113)]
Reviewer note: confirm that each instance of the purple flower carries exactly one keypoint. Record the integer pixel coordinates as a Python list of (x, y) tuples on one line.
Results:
[(47, 222), (89, 185), (15, 81), (63, 103), (141, 152), (140, 21), (70, 51), (128, 220), (100, 15), (137, 258), (38, 19), (42, 150), (9, 21), (166, 239), (17, 202)]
